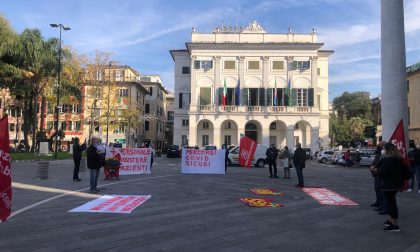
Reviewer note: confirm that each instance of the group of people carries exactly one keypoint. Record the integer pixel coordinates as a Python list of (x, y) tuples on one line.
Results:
[(298, 159), (389, 171)]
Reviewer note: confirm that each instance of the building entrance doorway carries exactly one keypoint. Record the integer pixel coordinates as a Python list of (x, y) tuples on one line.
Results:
[(251, 131)]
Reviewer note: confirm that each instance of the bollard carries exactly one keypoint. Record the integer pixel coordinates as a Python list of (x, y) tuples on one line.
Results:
[(83, 164), (43, 169)]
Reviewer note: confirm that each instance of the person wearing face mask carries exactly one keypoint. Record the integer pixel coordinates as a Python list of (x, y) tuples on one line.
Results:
[(94, 163), (379, 204)]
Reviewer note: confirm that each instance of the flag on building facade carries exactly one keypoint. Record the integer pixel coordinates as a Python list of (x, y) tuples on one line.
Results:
[(5, 171), (224, 94), (238, 94), (289, 93), (275, 93)]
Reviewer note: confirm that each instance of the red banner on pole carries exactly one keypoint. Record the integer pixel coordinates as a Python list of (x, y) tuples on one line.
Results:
[(247, 149), (5, 171), (398, 139)]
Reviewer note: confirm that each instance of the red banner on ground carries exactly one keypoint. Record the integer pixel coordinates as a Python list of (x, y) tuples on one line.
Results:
[(328, 197), (259, 202), (265, 191), (5, 171), (247, 149)]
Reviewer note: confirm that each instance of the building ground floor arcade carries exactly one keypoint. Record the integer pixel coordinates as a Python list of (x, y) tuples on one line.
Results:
[(201, 130)]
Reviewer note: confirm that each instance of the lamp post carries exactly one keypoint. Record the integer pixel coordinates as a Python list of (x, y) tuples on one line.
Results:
[(65, 28), (109, 92)]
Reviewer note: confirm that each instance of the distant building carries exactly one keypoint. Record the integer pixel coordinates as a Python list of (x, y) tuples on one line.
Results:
[(169, 127), (270, 87), (413, 96), (154, 111)]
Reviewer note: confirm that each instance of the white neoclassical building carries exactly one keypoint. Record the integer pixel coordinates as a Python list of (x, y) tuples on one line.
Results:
[(244, 81)]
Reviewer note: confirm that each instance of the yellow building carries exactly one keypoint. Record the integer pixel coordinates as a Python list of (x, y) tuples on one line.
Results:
[(413, 94)]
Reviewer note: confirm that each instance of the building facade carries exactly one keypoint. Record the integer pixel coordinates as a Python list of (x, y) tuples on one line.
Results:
[(270, 87), (155, 112), (413, 94), (169, 127)]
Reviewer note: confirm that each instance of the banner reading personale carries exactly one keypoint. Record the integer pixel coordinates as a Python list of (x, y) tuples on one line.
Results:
[(5, 171), (203, 161), (133, 160), (247, 147)]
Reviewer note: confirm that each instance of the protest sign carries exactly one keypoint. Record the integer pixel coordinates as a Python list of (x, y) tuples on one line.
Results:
[(113, 204), (247, 148), (133, 160), (203, 161), (5, 171)]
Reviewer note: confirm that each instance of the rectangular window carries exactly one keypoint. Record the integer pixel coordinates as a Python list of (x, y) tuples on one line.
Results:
[(146, 125), (120, 129), (119, 75), (230, 65), (123, 92), (99, 74), (205, 125), (301, 65), (302, 97), (147, 109), (228, 125), (185, 70), (184, 100), (204, 140), (408, 86), (151, 91), (71, 126), (184, 140), (205, 96), (318, 70), (185, 123), (97, 93), (11, 127), (278, 65), (77, 126), (253, 65), (97, 112), (50, 108), (170, 115), (409, 117), (63, 125), (203, 64), (228, 140)]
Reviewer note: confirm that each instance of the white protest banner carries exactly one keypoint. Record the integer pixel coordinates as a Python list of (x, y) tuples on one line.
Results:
[(133, 160), (203, 161), (113, 204)]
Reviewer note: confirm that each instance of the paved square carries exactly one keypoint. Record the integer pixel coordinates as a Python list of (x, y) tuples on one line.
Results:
[(203, 213)]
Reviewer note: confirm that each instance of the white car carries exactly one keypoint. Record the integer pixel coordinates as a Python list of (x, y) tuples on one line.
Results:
[(325, 156), (259, 156)]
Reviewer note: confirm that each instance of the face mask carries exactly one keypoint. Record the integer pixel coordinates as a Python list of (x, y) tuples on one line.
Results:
[(382, 152)]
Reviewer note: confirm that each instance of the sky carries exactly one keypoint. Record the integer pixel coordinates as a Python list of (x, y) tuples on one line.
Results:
[(140, 33)]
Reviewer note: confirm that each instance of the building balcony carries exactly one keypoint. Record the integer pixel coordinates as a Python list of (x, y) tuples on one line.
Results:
[(255, 109)]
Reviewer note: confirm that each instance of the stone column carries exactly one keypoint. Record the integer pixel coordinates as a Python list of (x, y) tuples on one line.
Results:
[(314, 79), (241, 69), (393, 68), (315, 139), (193, 104), (217, 83), (216, 138), (192, 132), (290, 137), (265, 80), (289, 69)]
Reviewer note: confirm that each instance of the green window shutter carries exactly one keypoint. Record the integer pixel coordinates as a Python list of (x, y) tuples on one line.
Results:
[(261, 97), (310, 97), (293, 97), (281, 97), (270, 96), (244, 96)]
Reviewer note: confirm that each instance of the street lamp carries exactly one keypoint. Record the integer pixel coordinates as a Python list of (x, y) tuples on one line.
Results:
[(65, 28)]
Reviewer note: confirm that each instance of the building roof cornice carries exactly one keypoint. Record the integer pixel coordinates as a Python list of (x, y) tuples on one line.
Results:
[(253, 46)]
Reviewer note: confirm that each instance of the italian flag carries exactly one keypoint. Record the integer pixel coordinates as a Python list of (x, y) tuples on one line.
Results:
[(224, 94)]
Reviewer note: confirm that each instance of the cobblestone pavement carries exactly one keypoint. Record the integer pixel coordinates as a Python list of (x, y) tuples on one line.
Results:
[(203, 213)]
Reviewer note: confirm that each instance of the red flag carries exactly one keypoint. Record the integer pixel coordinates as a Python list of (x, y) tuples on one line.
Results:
[(398, 139), (5, 171), (247, 149)]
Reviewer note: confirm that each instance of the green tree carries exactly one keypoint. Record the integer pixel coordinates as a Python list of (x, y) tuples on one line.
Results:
[(356, 104)]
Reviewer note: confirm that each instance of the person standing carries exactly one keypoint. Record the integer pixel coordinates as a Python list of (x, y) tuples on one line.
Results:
[(285, 156), (299, 159), (414, 156), (225, 147), (77, 156), (94, 163), (272, 154), (391, 167), (380, 203), (347, 158)]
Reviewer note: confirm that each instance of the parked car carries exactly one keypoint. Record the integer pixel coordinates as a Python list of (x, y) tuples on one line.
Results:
[(210, 147), (336, 157), (366, 158), (258, 160), (173, 151), (325, 156), (308, 152)]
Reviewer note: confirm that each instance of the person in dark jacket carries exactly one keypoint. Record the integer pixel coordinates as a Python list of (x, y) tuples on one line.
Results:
[(94, 163), (225, 147), (272, 154), (299, 159), (77, 156), (414, 156), (380, 204), (390, 172)]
